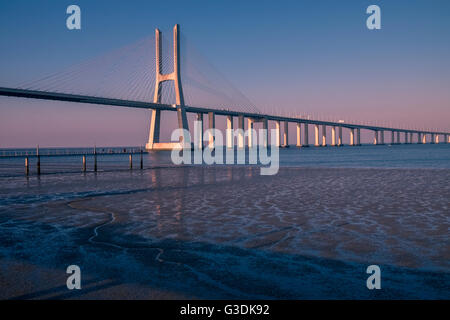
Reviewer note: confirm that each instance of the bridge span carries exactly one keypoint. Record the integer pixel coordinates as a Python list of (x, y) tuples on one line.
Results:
[(302, 124)]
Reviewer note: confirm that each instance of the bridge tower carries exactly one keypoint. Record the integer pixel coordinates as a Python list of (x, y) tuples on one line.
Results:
[(153, 139)]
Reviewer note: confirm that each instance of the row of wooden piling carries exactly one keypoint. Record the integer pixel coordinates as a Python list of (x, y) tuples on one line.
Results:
[(84, 167)]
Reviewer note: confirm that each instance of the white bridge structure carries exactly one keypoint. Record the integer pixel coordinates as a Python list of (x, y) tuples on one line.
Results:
[(397, 135)]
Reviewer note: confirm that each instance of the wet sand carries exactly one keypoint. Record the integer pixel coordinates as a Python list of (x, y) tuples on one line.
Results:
[(227, 232)]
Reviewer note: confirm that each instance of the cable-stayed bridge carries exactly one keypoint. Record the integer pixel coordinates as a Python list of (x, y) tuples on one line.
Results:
[(127, 78)]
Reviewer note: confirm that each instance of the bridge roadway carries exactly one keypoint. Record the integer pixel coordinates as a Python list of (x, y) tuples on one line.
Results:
[(23, 93)]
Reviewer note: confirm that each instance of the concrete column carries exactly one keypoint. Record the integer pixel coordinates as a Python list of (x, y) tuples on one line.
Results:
[(352, 137), (398, 137), (199, 131), (410, 137), (406, 137), (230, 142), (241, 141), (286, 135), (153, 136), (424, 138), (358, 136), (392, 137), (324, 135), (375, 137), (381, 136), (277, 133), (266, 133), (333, 136), (432, 138), (251, 139), (340, 137), (305, 135), (212, 125), (419, 138), (316, 135), (447, 138), (299, 134)]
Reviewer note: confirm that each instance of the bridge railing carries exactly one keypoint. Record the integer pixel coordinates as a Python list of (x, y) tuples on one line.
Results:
[(69, 151)]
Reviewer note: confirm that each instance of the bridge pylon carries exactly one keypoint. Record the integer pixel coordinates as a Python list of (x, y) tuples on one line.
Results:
[(155, 122)]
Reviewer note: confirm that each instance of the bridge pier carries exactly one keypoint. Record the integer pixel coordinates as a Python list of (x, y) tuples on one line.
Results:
[(299, 134), (286, 135), (241, 141), (432, 140), (199, 131), (212, 126), (230, 138), (392, 137), (381, 136), (333, 136), (358, 136), (305, 135), (424, 138), (340, 143), (447, 138), (352, 136), (316, 135), (398, 137), (265, 132), (406, 137), (277, 133), (375, 137), (250, 123), (324, 135)]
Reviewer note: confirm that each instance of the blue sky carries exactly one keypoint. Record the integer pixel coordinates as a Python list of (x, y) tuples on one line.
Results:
[(314, 57)]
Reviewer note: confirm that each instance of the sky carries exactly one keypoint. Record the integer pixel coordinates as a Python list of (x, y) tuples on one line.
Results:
[(309, 57)]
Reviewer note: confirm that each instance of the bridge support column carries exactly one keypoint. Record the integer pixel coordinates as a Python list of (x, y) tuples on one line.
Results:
[(241, 128), (212, 125), (230, 142), (153, 136), (398, 137), (305, 135), (153, 140), (392, 137), (424, 138), (316, 135), (375, 137), (286, 135), (340, 143), (333, 136), (277, 134), (324, 135), (436, 138), (447, 138), (358, 136), (299, 134), (251, 139), (406, 137), (432, 140), (381, 133), (410, 137), (419, 138), (265, 122), (352, 136), (199, 131)]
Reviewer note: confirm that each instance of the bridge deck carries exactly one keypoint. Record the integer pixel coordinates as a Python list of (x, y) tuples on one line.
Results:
[(33, 94)]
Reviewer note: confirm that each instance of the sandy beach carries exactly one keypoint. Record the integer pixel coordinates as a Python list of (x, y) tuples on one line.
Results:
[(227, 232)]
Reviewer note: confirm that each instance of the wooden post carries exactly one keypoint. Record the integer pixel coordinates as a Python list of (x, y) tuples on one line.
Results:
[(27, 168), (38, 163), (84, 163), (95, 159)]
